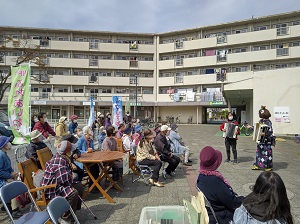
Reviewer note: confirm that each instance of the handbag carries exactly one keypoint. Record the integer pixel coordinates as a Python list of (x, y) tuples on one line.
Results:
[(23, 199)]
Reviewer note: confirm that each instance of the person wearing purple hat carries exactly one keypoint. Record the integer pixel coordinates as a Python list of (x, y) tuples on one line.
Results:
[(215, 187), (7, 173)]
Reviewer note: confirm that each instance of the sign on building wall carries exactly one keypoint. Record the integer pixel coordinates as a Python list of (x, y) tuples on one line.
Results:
[(117, 114), (18, 103), (282, 114)]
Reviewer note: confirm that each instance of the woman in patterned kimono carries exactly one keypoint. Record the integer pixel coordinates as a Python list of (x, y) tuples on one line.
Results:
[(264, 155)]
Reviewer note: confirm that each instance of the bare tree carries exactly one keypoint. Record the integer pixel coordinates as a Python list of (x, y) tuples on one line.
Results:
[(28, 52)]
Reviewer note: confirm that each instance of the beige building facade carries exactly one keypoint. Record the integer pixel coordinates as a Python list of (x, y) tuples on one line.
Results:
[(186, 73)]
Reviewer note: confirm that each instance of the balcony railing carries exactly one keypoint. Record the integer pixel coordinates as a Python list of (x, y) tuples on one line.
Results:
[(133, 64), (282, 51)]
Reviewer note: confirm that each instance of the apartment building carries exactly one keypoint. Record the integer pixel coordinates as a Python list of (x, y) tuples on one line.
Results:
[(241, 65)]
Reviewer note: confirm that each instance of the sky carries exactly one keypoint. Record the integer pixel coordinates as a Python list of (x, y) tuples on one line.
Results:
[(139, 16)]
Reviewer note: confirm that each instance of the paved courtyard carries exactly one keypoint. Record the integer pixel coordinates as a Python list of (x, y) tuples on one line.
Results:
[(135, 196)]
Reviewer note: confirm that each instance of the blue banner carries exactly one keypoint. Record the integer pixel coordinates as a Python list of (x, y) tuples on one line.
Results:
[(117, 114), (92, 112)]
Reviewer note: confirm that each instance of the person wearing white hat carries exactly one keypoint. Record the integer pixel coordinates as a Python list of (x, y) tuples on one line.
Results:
[(36, 143), (163, 149)]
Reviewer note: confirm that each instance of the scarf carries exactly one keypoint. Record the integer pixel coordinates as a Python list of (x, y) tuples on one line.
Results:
[(215, 173)]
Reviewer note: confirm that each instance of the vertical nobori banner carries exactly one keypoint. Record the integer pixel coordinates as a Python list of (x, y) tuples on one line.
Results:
[(18, 103), (92, 112), (117, 110)]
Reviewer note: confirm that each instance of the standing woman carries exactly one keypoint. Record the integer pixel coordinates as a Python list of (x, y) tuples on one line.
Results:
[(264, 155), (268, 203), (107, 120), (73, 124)]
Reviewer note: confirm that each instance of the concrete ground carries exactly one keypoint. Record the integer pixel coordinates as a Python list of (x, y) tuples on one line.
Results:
[(135, 196)]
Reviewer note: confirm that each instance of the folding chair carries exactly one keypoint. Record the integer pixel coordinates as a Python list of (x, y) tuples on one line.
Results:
[(57, 207), (208, 205), (26, 169), (44, 156), (142, 171), (14, 189)]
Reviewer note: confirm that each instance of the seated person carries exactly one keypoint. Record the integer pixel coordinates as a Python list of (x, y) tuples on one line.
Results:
[(101, 137), (178, 146), (78, 132), (163, 149), (147, 155), (7, 174), (85, 144), (126, 140), (36, 143), (120, 131), (110, 144), (268, 203), (59, 171), (43, 126), (215, 187), (136, 137)]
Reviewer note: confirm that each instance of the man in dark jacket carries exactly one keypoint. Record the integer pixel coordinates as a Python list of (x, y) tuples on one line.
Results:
[(163, 149), (36, 143)]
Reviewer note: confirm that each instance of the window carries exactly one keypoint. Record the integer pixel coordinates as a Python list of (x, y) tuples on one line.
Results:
[(46, 90), (179, 77), (239, 50), (282, 29), (79, 73), (105, 90), (132, 80), (117, 90), (34, 89), (192, 72), (105, 74), (62, 38), (63, 55), (78, 90), (260, 48), (93, 45), (240, 31), (147, 75), (93, 62), (79, 39), (63, 90), (148, 91), (178, 44), (179, 60), (295, 44), (258, 28), (295, 23), (63, 72), (133, 64), (259, 67), (221, 55), (240, 69), (80, 56)]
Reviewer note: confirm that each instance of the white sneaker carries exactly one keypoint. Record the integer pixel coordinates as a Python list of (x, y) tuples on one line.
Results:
[(151, 181)]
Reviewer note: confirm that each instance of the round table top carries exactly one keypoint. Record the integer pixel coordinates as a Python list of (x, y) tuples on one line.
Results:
[(100, 156)]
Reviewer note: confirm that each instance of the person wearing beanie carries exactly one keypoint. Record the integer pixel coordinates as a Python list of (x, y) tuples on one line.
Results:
[(178, 147), (7, 174), (231, 141), (73, 124), (36, 143), (264, 154), (58, 171), (215, 187), (61, 130), (163, 149)]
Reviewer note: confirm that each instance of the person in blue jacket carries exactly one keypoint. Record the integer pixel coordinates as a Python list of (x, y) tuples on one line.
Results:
[(215, 187), (7, 173), (86, 144), (73, 124)]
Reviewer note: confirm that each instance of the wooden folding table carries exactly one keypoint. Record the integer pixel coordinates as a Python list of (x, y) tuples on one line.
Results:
[(105, 159)]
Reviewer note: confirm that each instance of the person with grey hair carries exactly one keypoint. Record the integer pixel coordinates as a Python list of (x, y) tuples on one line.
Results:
[(101, 137), (177, 146), (85, 144)]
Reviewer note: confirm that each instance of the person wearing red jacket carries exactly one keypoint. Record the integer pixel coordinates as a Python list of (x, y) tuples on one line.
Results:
[(43, 126), (231, 141)]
